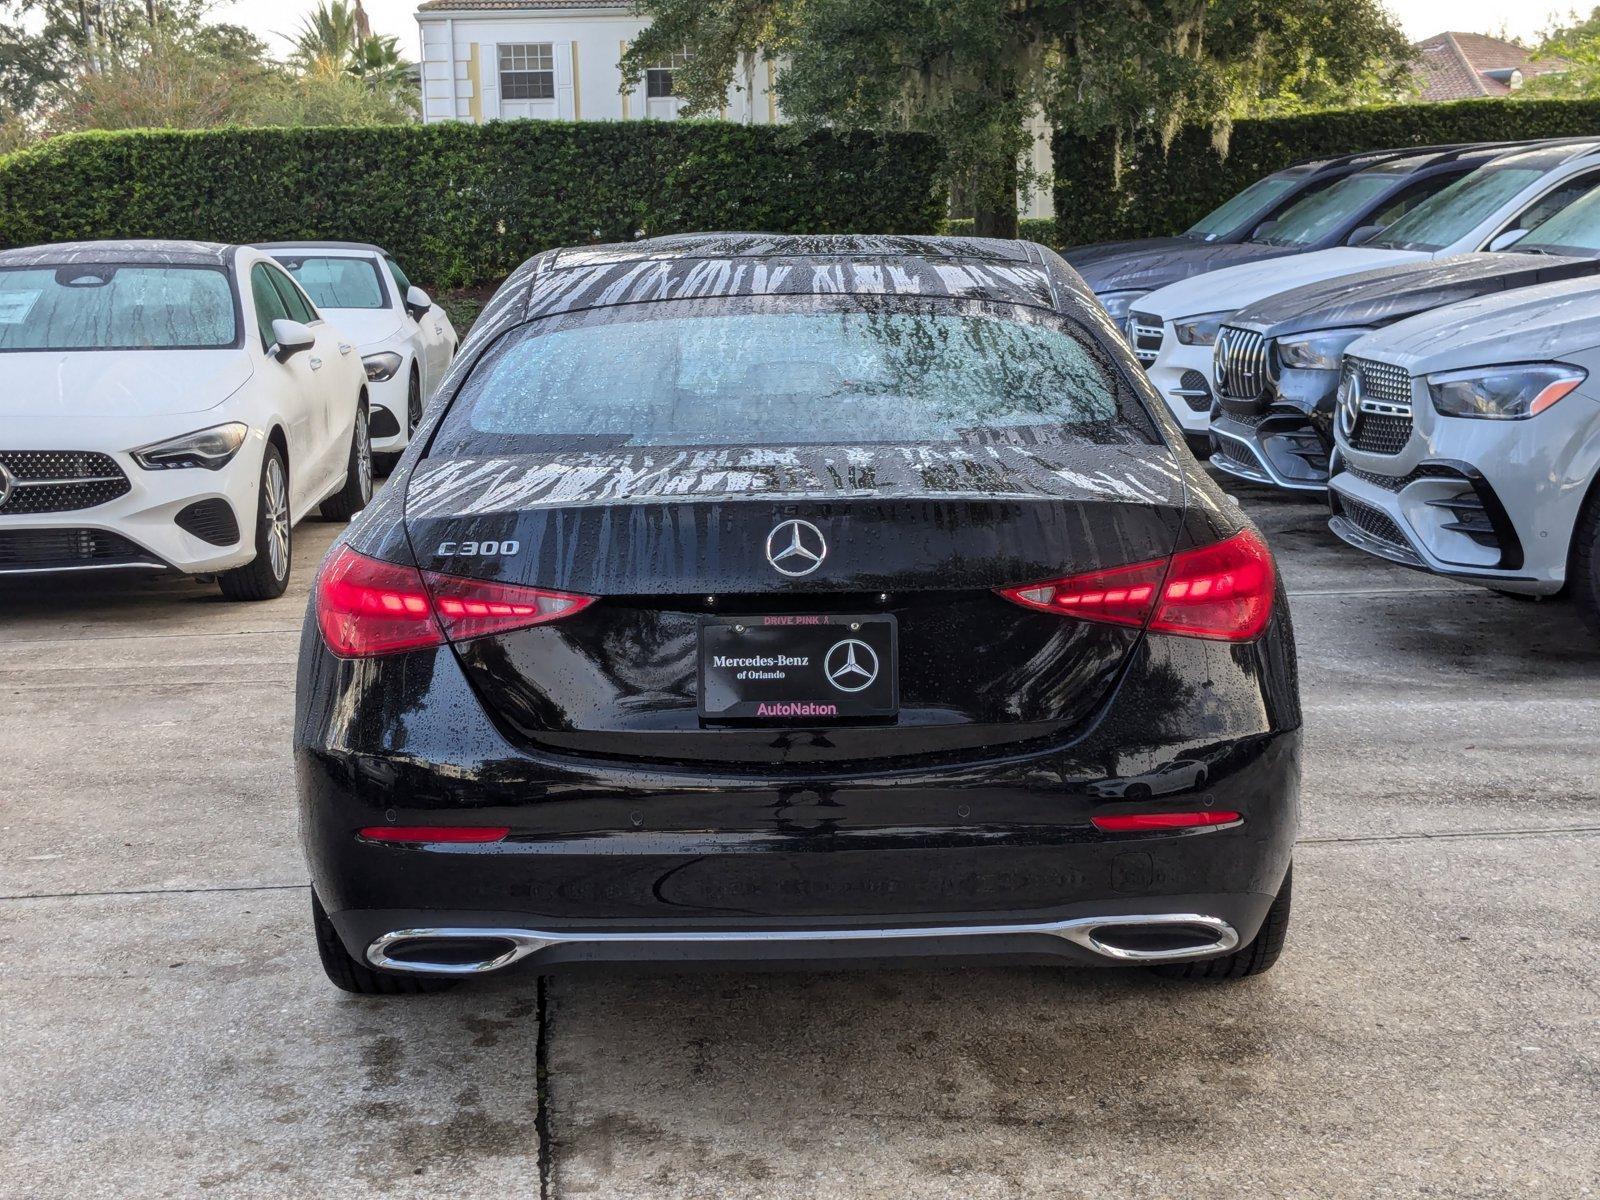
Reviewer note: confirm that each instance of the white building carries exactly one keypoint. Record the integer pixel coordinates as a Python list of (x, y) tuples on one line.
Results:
[(555, 59), (484, 60)]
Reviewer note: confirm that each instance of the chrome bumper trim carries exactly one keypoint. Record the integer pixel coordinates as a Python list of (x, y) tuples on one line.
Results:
[(1267, 475), (1080, 931)]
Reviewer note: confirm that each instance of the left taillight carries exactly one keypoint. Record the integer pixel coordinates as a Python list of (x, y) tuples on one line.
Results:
[(366, 607), (1223, 592)]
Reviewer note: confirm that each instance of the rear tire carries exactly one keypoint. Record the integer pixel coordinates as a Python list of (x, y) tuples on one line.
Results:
[(349, 975), (266, 576), (1253, 959), (356, 493), (1583, 573)]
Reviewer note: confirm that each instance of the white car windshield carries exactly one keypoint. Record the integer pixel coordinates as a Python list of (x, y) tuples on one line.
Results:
[(1450, 215), (1315, 217), (108, 306), (337, 281), (1573, 230)]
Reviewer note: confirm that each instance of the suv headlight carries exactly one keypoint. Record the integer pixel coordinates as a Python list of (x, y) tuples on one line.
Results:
[(381, 366), (211, 448), (1202, 330), (1511, 393), (1118, 304), (1316, 351)]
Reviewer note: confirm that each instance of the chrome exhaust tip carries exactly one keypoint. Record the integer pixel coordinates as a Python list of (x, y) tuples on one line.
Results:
[(1128, 938)]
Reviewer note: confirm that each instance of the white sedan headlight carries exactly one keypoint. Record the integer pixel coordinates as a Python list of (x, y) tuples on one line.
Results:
[(1320, 351), (1202, 330), (1511, 393), (381, 366), (1119, 304), (211, 449)]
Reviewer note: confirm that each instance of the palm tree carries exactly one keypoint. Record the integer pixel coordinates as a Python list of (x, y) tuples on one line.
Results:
[(336, 38)]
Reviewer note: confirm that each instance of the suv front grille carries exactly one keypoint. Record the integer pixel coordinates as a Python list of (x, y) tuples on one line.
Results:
[(1145, 332), (1239, 363), (1383, 418), (48, 481), (60, 549)]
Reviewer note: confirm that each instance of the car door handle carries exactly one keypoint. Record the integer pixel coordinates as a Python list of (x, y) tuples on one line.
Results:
[(316, 364), (344, 347)]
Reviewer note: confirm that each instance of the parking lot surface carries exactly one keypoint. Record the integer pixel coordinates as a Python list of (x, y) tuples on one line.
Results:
[(1433, 1029)]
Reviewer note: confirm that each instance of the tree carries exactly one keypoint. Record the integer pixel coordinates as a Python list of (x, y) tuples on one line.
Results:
[(1578, 43), (118, 64), (976, 72), (336, 39)]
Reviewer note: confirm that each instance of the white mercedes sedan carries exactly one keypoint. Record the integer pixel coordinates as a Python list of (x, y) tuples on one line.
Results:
[(170, 406), (406, 341)]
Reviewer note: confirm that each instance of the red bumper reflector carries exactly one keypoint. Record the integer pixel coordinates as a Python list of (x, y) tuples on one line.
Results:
[(1138, 822), (435, 833)]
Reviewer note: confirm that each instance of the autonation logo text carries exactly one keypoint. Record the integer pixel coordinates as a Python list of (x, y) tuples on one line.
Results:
[(784, 708)]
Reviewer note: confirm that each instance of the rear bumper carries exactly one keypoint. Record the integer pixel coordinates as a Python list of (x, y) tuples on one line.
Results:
[(1118, 932), (636, 862), (975, 864)]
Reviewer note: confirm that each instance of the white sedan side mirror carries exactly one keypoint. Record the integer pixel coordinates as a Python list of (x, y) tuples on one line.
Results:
[(291, 338), (418, 302), (1509, 238)]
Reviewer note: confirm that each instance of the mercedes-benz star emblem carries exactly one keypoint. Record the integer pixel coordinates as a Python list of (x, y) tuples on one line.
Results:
[(1349, 404), (796, 548), (851, 665), (7, 482)]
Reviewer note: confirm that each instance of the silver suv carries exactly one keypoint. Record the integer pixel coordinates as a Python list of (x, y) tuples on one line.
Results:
[(1467, 442)]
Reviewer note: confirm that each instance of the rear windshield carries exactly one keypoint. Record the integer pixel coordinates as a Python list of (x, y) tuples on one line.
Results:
[(1258, 198), (113, 307), (1450, 215), (337, 281), (749, 373), (1318, 216)]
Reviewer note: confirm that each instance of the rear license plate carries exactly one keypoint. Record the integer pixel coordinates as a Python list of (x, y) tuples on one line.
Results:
[(798, 668)]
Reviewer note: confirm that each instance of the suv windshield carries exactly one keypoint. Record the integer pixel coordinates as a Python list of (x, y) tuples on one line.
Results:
[(106, 306), (1453, 213), (1259, 197), (1574, 230), (337, 281), (1315, 217), (811, 371)]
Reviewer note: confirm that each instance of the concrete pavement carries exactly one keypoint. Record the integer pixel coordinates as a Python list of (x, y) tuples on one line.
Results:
[(1433, 1029)]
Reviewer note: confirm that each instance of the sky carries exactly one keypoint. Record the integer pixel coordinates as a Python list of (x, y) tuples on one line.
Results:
[(1420, 18)]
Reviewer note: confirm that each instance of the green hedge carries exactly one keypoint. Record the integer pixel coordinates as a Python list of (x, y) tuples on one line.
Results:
[(464, 204), (1166, 193)]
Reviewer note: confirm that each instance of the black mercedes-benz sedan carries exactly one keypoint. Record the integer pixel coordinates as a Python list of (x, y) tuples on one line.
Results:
[(812, 599)]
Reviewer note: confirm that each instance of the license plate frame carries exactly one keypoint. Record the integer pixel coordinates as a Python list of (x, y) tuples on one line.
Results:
[(850, 672)]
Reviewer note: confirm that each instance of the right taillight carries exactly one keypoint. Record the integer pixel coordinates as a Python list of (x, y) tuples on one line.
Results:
[(1222, 591), (367, 607)]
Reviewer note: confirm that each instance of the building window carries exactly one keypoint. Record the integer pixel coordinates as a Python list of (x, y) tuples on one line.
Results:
[(528, 71), (658, 79)]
